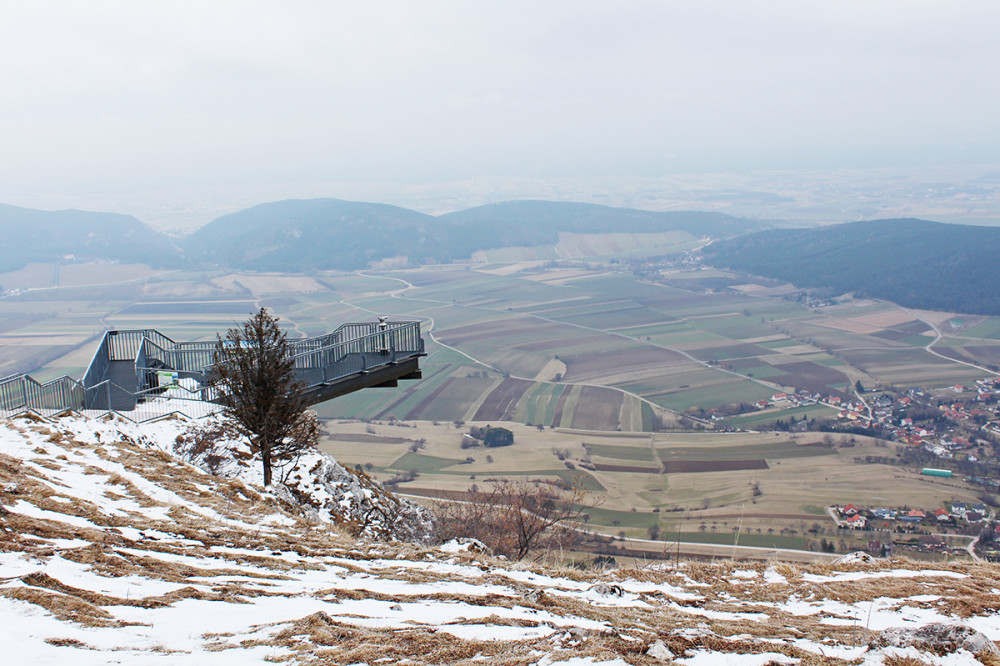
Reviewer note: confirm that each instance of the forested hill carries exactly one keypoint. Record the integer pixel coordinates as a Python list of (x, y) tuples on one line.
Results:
[(915, 263), (331, 234), (298, 235), (44, 236)]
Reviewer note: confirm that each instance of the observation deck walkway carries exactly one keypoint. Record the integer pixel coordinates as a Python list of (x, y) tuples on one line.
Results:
[(148, 375)]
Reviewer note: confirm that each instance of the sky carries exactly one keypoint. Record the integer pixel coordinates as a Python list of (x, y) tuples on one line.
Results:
[(113, 99)]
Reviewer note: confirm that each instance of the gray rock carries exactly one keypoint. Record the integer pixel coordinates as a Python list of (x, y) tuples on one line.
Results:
[(857, 557), (939, 637), (607, 589), (659, 651)]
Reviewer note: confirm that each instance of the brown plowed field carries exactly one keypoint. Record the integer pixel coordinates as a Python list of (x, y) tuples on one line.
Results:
[(628, 469), (431, 397), (988, 353), (500, 403), (389, 410), (595, 365), (598, 408), (812, 376), (521, 326), (565, 343), (696, 466)]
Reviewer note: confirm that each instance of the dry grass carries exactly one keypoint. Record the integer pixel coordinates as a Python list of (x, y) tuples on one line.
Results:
[(238, 561), (66, 607)]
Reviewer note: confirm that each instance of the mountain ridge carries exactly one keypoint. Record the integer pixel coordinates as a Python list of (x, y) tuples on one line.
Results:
[(915, 263), (300, 235), (32, 235)]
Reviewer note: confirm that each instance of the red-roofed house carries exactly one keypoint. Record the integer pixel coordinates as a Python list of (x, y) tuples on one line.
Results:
[(856, 522)]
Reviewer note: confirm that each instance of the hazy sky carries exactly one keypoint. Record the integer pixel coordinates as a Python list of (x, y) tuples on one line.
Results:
[(122, 97)]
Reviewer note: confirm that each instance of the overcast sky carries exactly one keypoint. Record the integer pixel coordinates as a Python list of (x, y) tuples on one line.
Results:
[(115, 98)]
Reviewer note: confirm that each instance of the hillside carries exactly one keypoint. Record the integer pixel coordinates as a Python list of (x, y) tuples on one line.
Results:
[(916, 263), (298, 235), (331, 234), (538, 222), (44, 236), (113, 550)]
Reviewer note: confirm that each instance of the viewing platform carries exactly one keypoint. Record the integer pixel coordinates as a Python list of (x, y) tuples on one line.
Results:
[(144, 375)]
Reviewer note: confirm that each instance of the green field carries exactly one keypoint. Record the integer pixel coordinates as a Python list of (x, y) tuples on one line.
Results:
[(989, 329), (798, 413)]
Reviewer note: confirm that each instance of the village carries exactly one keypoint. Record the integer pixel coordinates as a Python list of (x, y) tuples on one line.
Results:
[(947, 432), (920, 530), (953, 423)]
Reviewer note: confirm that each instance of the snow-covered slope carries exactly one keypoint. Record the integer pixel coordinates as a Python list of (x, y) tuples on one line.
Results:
[(323, 489), (114, 551)]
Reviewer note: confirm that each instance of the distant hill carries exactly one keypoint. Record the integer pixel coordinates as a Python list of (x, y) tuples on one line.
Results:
[(42, 236), (331, 234), (539, 222), (915, 263), (298, 235)]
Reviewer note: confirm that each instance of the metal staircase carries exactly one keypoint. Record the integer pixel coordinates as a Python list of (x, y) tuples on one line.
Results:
[(144, 375)]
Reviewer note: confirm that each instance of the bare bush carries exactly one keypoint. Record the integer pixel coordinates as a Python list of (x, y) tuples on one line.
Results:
[(514, 518)]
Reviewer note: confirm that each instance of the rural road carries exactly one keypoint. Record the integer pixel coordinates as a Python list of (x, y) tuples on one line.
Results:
[(833, 514), (938, 335), (969, 547)]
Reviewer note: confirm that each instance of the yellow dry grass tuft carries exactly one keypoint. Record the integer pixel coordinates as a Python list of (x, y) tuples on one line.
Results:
[(66, 607)]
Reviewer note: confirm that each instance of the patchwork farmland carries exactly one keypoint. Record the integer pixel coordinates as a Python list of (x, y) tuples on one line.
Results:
[(531, 342), (691, 486), (590, 362)]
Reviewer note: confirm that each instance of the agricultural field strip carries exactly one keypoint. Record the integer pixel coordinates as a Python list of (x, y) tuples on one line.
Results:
[(430, 334), (768, 385)]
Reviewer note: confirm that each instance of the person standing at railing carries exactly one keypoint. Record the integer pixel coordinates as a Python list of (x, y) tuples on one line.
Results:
[(383, 342)]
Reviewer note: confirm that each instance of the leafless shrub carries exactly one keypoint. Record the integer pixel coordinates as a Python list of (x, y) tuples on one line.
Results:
[(514, 518)]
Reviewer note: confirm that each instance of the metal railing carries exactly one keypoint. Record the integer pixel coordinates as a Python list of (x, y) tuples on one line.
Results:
[(353, 348), (21, 393)]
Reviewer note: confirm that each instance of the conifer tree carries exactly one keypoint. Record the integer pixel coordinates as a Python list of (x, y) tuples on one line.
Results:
[(255, 373)]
